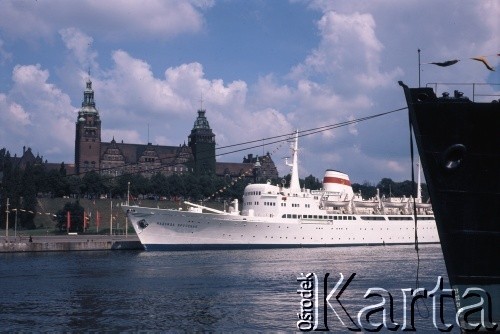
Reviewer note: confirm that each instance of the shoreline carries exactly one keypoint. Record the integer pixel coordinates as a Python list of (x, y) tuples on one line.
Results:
[(57, 243)]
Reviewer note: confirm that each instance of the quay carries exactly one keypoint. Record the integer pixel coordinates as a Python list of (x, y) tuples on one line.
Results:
[(83, 242)]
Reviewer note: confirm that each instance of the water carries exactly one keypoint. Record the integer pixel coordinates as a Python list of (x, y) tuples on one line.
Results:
[(216, 291)]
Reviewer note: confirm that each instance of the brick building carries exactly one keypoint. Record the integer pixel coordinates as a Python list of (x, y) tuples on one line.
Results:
[(117, 158)]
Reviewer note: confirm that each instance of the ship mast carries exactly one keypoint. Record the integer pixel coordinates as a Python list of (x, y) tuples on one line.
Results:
[(294, 180)]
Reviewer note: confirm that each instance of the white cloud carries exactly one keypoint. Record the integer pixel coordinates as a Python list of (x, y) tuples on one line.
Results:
[(38, 113), (132, 84), (271, 92), (18, 116), (15, 122), (349, 48), (113, 19), (130, 89), (80, 45), (150, 18), (22, 19)]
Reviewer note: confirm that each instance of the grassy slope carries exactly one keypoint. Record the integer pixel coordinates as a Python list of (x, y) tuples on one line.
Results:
[(46, 225)]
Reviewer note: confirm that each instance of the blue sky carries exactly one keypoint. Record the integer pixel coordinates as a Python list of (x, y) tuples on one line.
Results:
[(263, 68)]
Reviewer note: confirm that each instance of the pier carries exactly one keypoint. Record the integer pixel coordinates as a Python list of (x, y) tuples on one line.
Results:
[(69, 243)]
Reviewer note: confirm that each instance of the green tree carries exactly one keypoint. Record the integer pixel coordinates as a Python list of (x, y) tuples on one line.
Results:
[(192, 186), (367, 189), (311, 182), (5, 170), (386, 187), (236, 190), (29, 191), (176, 185), (93, 185), (76, 212), (159, 185), (56, 184), (139, 184), (74, 186)]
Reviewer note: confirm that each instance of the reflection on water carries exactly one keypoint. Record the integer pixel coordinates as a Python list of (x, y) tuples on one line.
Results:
[(252, 290)]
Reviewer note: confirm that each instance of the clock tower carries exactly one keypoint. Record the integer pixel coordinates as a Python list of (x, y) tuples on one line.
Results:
[(202, 144), (88, 134)]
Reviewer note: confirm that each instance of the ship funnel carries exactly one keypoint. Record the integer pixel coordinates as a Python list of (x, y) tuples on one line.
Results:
[(335, 181)]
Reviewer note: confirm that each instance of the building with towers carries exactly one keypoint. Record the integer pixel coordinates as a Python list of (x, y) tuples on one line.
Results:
[(201, 141), (117, 158), (88, 134)]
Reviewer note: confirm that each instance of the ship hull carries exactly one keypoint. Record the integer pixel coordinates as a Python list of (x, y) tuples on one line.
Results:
[(160, 229), (459, 146)]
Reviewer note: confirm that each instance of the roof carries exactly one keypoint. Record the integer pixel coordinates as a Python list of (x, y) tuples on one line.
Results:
[(232, 168), (132, 152)]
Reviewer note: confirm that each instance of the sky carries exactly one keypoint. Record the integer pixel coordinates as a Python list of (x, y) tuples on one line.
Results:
[(259, 68)]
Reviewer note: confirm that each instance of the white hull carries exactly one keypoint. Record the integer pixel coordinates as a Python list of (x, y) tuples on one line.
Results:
[(163, 229)]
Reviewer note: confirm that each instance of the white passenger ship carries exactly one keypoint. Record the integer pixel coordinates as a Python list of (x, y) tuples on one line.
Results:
[(273, 216)]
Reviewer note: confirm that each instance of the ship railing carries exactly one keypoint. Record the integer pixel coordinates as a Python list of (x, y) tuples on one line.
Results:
[(483, 92)]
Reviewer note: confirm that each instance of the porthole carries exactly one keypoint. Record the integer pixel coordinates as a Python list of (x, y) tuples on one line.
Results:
[(453, 157), (422, 97)]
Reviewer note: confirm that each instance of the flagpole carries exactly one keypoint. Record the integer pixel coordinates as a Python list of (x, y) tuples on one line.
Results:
[(418, 68), (111, 218), (68, 221), (7, 219)]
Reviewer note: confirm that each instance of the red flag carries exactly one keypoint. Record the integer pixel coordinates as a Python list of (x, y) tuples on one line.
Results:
[(84, 221), (68, 220)]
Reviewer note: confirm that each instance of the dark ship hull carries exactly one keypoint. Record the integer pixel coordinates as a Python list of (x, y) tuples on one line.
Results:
[(459, 145)]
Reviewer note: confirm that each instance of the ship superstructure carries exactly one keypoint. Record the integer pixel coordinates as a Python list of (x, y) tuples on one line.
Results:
[(280, 216)]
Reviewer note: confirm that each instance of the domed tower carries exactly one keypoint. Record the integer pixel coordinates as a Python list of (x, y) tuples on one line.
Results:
[(88, 134), (202, 144)]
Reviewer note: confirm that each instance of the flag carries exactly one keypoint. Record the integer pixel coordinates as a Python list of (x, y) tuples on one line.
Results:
[(84, 221), (68, 220), (483, 60), (98, 220), (445, 63)]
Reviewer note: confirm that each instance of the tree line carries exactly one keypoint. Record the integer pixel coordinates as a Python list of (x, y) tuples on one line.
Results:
[(22, 186)]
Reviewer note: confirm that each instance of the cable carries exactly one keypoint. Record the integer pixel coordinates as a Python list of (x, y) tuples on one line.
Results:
[(274, 140), (417, 280)]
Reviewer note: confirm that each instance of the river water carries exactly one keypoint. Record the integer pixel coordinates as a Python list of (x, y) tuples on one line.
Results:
[(214, 291)]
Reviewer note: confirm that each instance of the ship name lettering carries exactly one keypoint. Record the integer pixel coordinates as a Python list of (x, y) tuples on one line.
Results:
[(187, 225)]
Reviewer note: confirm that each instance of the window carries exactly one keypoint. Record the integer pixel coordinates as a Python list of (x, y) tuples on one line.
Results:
[(402, 218), (372, 218)]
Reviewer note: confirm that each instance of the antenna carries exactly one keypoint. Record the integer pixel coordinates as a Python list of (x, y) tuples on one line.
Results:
[(148, 133), (418, 68), (201, 101)]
